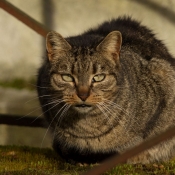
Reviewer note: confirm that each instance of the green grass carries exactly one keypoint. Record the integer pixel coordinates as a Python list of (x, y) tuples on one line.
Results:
[(22, 160), (151, 169), (19, 84)]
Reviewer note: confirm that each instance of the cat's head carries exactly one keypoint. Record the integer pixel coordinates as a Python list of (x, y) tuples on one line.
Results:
[(84, 72)]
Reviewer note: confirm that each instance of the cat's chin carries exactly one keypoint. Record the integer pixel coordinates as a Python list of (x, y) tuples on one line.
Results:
[(83, 108)]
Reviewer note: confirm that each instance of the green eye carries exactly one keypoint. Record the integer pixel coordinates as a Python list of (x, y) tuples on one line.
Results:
[(98, 78), (67, 78)]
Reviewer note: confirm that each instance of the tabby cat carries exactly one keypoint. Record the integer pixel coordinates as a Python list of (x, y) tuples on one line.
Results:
[(107, 90)]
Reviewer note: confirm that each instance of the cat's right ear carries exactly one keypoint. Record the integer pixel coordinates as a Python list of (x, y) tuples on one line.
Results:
[(111, 44), (56, 45)]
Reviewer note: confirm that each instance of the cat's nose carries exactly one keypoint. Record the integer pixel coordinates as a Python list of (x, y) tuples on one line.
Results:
[(83, 92), (83, 97)]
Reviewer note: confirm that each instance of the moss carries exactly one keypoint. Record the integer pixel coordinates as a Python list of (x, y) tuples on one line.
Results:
[(167, 168), (19, 84), (22, 160), (35, 161)]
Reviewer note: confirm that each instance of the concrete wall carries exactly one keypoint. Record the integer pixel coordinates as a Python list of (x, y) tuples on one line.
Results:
[(22, 49)]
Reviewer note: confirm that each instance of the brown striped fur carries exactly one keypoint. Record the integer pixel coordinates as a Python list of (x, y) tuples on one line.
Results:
[(107, 90)]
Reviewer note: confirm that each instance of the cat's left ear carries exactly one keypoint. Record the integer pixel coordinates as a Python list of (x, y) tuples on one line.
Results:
[(56, 45), (111, 44)]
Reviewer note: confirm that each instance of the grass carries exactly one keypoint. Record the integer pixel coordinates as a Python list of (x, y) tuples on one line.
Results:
[(22, 160), (19, 84), (150, 169)]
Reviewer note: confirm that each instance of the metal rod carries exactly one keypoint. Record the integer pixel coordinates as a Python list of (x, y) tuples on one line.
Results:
[(118, 159), (16, 120), (26, 19)]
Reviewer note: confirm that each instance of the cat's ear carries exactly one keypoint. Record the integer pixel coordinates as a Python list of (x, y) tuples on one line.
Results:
[(111, 44), (56, 45)]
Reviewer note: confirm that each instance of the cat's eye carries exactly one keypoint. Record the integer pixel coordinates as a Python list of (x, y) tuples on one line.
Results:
[(98, 78), (67, 78)]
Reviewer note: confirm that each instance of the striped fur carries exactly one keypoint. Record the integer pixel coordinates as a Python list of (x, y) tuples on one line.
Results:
[(106, 91)]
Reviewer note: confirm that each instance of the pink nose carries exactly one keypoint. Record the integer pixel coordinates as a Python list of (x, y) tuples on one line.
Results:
[(83, 97), (83, 92)]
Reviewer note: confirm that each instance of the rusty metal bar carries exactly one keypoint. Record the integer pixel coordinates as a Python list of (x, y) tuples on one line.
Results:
[(118, 159), (26, 19), (16, 120)]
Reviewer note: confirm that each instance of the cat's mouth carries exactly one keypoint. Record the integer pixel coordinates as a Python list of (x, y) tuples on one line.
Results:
[(83, 106)]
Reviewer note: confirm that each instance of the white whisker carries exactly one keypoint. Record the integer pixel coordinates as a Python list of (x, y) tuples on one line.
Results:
[(101, 107), (37, 98), (40, 108), (51, 123), (59, 101), (60, 119), (116, 106), (63, 113), (116, 118), (39, 86)]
